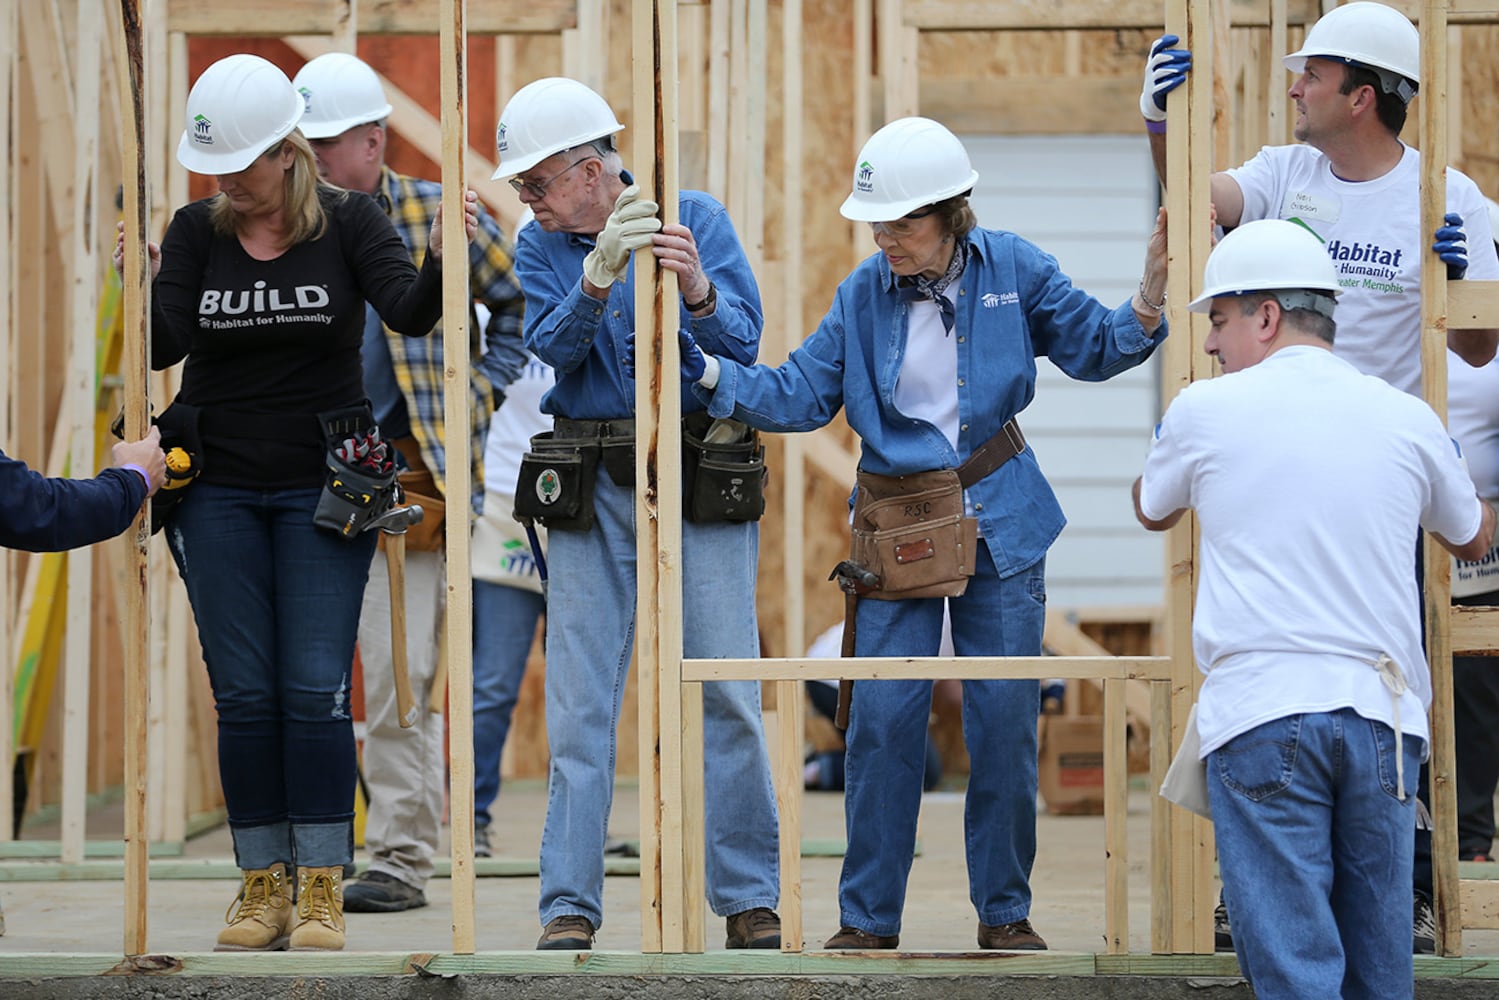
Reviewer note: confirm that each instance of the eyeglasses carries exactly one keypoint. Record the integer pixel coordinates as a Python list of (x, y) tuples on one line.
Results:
[(902, 227), (539, 191)]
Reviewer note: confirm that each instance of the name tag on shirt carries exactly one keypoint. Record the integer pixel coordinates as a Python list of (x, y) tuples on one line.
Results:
[(1310, 207)]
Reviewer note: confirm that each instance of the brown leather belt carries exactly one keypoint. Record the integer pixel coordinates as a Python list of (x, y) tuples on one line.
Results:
[(993, 453)]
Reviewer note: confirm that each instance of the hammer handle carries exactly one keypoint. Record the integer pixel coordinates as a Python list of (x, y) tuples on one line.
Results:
[(395, 565)]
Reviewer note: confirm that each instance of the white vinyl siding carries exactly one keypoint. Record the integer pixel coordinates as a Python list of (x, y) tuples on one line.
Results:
[(1090, 202)]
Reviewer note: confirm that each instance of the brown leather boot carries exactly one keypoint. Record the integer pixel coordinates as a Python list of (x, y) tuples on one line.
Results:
[(320, 910), (260, 917)]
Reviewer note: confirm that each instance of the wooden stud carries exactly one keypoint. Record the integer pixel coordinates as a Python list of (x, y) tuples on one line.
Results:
[(1155, 668), (750, 222), (719, 61), (898, 65), (375, 17), (790, 699), (80, 401), (863, 68), (1162, 898), (658, 650), (136, 363), (459, 445), (1432, 117), (1115, 817), (345, 32), (1275, 130), (8, 53)]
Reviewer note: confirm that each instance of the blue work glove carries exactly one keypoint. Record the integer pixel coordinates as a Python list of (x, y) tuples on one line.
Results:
[(1452, 246), (694, 362), (1165, 69)]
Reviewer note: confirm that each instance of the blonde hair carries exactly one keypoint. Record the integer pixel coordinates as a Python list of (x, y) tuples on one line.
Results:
[(305, 217)]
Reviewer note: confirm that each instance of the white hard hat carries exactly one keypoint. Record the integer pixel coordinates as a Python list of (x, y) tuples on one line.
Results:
[(1372, 35), (339, 91), (1270, 255), (545, 117), (239, 107), (909, 163)]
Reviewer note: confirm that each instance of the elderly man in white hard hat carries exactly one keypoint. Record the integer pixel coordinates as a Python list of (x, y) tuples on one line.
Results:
[(556, 143), (1353, 183), (930, 350), (1308, 480), (404, 768)]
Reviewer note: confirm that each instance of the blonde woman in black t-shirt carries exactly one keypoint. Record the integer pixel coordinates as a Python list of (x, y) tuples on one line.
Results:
[(261, 290)]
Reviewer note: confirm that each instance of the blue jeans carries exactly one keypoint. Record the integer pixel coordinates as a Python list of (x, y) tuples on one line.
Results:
[(590, 636), (887, 740), (1315, 853), (504, 625), (277, 604)]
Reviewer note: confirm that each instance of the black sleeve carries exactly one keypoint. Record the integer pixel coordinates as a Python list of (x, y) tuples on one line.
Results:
[(175, 292), (51, 515), (408, 300)]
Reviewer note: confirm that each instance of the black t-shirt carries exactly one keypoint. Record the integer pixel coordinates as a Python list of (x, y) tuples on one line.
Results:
[(270, 344)]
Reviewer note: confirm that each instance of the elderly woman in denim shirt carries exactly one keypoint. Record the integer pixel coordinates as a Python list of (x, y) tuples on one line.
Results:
[(976, 307)]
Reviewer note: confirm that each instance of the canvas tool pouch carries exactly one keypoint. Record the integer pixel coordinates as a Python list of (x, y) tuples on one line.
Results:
[(910, 530), (723, 470), (556, 479)]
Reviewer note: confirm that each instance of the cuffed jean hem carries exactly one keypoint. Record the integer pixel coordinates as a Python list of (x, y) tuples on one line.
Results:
[(262, 846), (859, 924), (570, 910), (1000, 917), (757, 902), (323, 845)]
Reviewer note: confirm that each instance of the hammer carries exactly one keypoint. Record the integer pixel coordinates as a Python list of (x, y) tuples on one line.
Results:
[(394, 523)]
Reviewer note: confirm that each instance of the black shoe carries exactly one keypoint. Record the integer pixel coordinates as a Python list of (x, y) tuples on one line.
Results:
[(1423, 927), (482, 848), (378, 892), (1223, 937), (756, 928), (569, 932)]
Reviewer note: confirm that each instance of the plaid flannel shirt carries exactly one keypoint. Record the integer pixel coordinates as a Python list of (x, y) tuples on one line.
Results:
[(496, 358)]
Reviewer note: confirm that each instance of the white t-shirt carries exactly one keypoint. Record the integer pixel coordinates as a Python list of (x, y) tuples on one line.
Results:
[(927, 387), (1473, 420), (1372, 231), (1309, 481), (501, 552)]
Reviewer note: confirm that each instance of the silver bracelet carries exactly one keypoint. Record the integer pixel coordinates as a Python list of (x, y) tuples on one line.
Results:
[(1153, 306)]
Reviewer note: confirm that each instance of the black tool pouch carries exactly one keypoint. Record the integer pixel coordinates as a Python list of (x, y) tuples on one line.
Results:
[(183, 445), (352, 496), (556, 479), (723, 471)]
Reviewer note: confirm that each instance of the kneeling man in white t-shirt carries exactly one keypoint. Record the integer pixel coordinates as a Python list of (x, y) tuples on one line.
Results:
[(1308, 480)]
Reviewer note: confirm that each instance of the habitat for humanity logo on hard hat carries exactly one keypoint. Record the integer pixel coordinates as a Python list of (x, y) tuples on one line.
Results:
[(306, 99), (499, 138), (864, 181), (201, 133)]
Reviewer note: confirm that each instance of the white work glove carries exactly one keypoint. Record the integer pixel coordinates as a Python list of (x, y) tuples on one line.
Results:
[(629, 229), (1165, 70)]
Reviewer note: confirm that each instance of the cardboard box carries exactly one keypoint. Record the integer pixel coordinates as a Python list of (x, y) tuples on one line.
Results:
[(1070, 766)]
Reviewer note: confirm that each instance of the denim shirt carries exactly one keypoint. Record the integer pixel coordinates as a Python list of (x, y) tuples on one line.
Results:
[(583, 339), (1014, 304)]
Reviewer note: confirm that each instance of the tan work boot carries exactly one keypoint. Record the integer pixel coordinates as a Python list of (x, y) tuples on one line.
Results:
[(320, 910), (260, 917)]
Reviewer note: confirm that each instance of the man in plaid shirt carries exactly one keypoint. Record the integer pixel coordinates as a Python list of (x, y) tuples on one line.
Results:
[(404, 768)]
